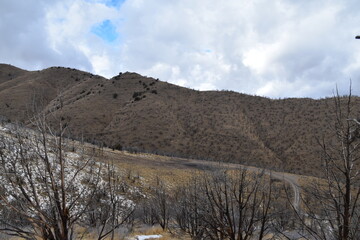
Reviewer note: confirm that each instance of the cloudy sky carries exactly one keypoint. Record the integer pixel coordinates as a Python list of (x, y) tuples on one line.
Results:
[(274, 48)]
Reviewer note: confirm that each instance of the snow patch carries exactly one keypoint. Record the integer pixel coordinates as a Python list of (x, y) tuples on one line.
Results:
[(144, 237), (4, 129)]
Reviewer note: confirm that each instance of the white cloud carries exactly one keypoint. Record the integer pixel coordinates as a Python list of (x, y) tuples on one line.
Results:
[(274, 48)]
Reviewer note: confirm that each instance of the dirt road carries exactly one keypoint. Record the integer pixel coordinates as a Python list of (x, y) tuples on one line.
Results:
[(183, 163)]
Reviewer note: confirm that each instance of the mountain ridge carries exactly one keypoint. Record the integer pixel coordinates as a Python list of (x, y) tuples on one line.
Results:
[(130, 111)]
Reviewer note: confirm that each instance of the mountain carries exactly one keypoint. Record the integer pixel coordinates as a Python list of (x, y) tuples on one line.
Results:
[(140, 113)]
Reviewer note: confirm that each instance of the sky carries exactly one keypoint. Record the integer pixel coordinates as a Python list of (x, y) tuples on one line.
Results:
[(277, 48)]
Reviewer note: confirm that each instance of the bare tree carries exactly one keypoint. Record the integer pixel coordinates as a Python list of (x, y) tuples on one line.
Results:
[(161, 205), (228, 204), (189, 208), (147, 212), (114, 209), (238, 205), (46, 186), (331, 205)]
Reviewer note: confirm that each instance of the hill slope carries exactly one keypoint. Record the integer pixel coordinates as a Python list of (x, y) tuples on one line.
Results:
[(146, 114)]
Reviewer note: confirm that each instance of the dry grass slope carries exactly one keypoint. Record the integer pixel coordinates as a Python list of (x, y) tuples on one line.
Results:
[(131, 111)]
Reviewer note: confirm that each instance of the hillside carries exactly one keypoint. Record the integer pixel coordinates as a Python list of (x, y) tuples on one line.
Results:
[(141, 113)]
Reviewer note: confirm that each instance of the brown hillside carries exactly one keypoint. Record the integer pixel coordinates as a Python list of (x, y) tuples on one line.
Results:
[(145, 114)]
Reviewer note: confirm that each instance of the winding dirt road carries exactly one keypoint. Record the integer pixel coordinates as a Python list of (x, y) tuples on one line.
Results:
[(184, 163)]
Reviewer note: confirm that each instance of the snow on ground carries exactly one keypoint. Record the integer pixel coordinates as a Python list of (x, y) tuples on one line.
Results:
[(78, 172), (4, 129), (144, 237)]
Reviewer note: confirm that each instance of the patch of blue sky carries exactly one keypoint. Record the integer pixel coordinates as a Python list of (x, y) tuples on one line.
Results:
[(114, 3), (109, 3), (106, 30)]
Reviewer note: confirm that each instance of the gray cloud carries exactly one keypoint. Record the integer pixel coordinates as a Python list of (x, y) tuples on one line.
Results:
[(278, 48), (24, 38)]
